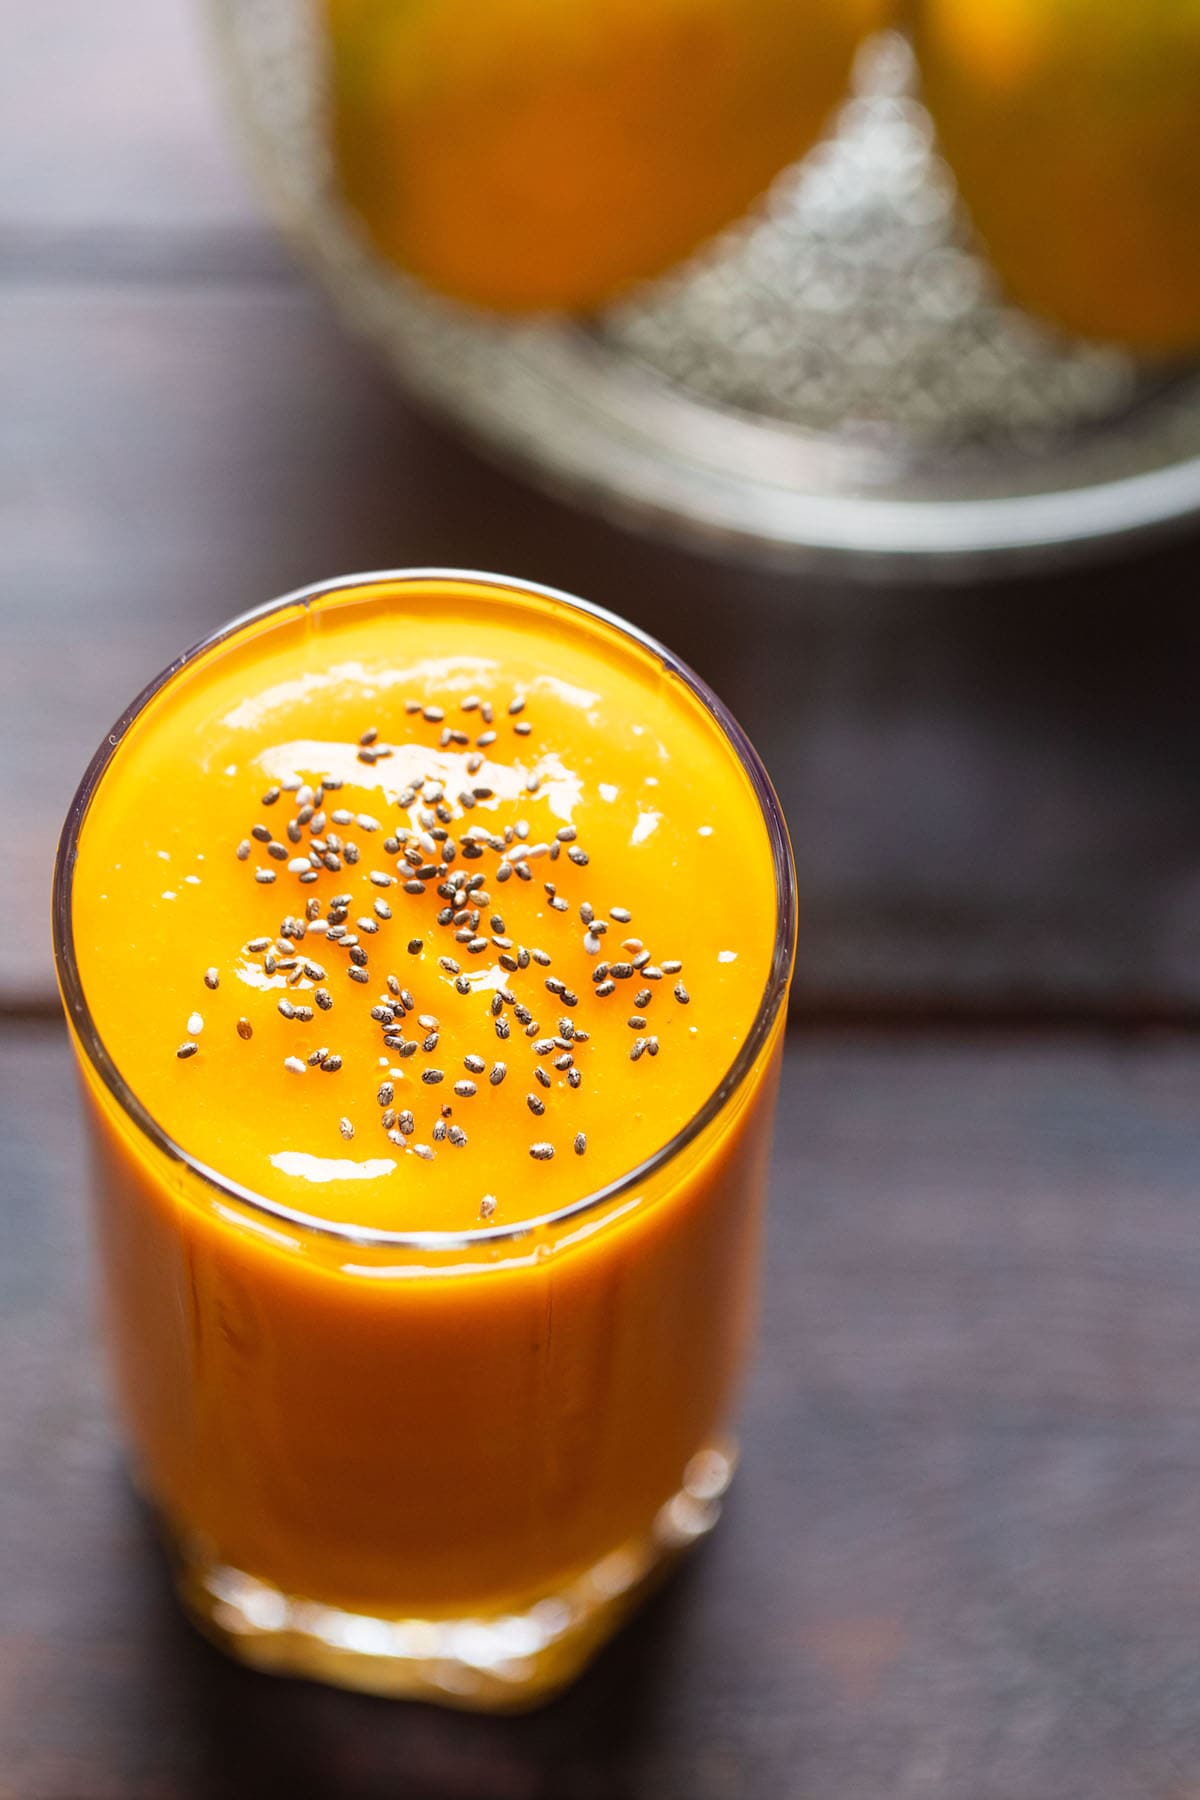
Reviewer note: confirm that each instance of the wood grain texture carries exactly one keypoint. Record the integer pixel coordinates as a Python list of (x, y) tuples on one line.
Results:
[(957, 1558)]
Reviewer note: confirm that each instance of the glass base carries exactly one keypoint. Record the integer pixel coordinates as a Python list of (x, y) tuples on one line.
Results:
[(484, 1662)]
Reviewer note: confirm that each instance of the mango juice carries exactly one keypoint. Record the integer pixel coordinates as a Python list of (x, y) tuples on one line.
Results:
[(424, 940)]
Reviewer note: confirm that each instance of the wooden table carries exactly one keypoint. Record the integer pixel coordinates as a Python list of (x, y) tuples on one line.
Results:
[(961, 1560)]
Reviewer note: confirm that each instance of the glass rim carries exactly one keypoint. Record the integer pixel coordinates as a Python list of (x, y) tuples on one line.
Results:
[(79, 1012)]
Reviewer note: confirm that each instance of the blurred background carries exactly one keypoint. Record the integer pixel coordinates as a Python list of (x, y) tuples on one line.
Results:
[(915, 485)]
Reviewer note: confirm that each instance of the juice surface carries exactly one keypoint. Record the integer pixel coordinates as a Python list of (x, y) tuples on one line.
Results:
[(365, 1036)]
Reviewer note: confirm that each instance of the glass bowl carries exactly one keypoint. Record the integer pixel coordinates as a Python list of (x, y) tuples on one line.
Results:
[(834, 381)]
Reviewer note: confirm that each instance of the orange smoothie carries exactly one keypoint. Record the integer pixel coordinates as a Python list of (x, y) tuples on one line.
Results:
[(424, 939)]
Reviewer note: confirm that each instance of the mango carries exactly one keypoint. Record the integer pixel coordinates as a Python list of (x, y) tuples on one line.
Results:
[(1073, 130), (542, 154)]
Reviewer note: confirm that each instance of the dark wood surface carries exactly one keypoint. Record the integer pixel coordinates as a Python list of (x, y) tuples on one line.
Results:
[(960, 1560), (958, 1563)]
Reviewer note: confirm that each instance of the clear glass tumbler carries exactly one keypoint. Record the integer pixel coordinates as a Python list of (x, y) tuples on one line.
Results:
[(425, 1463)]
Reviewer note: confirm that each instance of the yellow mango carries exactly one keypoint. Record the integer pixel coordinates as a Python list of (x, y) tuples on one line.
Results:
[(1073, 129), (530, 154)]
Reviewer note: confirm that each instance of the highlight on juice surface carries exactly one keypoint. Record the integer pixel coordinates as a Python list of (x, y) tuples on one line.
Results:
[(425, 941), (1073, 130), (530, 154)]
